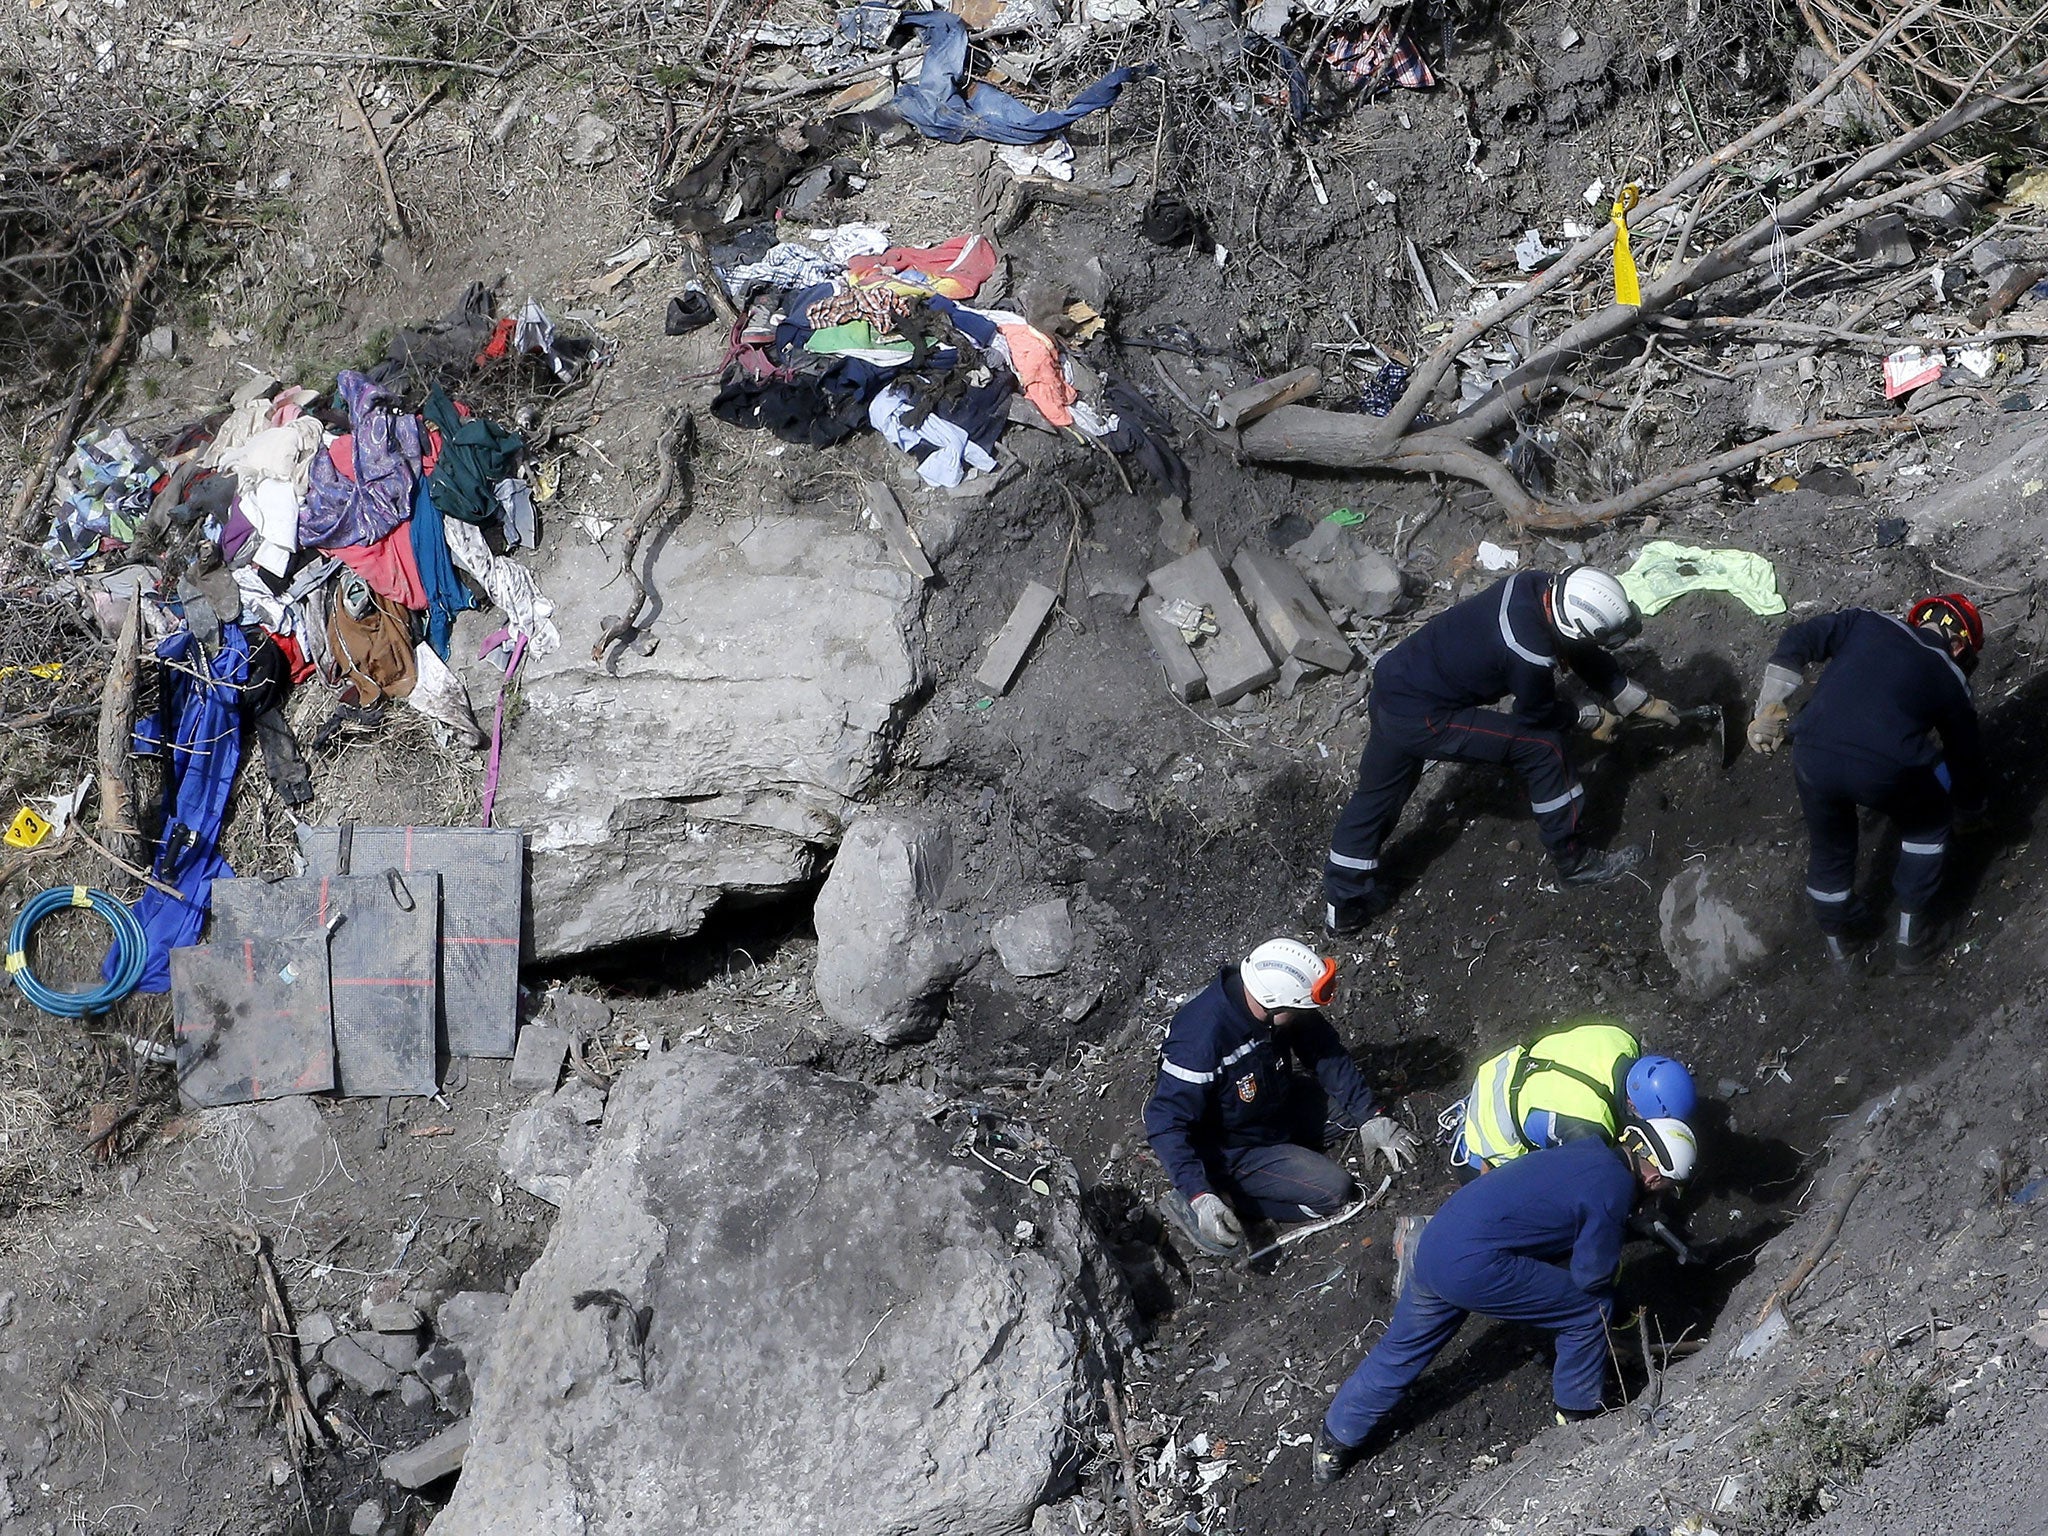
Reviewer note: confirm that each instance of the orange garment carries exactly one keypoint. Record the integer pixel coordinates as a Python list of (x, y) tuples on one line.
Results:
[(1036, 362), (953, 269), (388, 566)]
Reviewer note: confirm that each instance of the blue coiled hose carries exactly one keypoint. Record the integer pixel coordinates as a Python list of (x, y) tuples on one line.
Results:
[(131, 947)]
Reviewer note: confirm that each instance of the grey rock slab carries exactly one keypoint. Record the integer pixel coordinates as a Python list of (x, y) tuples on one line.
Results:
[(315, 1329), (911, 1370), (400, 1351), (788, 653), (547, 1145), (537, 1060), (393, 1317), (415, 1394), (430, 1461), (367, 1519), (1288, 615), (320, 1386), (469, 1320), (357, 1366), (1185, 679), (1038, 941), (1014, 640), (1234, 659), (1707, 939), (441, 1368), (1348, 573), (887, 954)]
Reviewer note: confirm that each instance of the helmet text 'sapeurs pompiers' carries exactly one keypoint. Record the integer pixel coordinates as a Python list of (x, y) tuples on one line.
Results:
[(1588, 605), (1282, 973)]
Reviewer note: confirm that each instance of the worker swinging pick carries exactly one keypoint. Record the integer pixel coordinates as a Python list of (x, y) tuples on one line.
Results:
[(1891, 727), (1429, 701), (1538, 1241)]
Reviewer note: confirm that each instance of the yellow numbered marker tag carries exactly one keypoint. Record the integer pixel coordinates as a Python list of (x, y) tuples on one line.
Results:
[(27, 830), (1627, 289)]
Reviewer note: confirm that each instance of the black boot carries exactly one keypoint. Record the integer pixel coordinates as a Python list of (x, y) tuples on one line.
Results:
[(1332, 1458), (1917, 947), (1576, 1415), (1601, 866), (1348, 919)]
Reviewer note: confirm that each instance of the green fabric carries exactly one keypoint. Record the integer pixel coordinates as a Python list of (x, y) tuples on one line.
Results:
[(854, 336), (1665, 572), (475, 456)]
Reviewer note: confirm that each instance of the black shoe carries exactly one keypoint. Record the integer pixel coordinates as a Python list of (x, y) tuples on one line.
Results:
[(1331, 1460), (1601, 866), (1917, 949), (1842, 952), (1576, 1415), (1348, 919)]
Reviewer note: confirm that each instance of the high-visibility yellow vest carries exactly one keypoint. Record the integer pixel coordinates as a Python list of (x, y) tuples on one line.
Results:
[(1572, 1071)]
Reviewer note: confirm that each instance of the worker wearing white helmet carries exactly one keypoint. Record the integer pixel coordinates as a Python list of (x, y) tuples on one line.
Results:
[(1239, 1131), (1430, 699)]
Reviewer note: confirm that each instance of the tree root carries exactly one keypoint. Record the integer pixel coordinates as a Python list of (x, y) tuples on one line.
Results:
[(677, 444)]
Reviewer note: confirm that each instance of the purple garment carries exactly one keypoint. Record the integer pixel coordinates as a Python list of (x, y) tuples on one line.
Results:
[(237, 533), (340, 511)]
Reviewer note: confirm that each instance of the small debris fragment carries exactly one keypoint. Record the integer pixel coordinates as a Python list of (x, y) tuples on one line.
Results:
[(431, 1461)]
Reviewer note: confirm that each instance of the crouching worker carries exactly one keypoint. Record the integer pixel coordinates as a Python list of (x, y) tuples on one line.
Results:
[(1536, 1241), (1583, 1079), (1239, 1131)]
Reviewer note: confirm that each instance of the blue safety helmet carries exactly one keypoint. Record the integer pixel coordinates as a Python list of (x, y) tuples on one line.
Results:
[(1660, 1089)]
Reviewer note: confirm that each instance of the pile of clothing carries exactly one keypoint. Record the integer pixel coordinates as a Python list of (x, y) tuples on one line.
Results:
[(293, 538), (843, 331)]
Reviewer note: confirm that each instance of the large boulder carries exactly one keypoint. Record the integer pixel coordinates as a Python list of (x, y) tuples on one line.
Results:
[(887, 954), (779, 1301), (786, 654), (1707, 938)]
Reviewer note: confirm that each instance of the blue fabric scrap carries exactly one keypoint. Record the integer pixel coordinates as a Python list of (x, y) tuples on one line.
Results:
[(937, 103)]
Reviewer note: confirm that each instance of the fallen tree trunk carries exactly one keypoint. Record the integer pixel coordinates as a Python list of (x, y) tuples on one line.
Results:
[(1298, 434)]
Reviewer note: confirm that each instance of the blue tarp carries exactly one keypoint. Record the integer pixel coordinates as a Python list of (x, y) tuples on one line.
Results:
[(935, 104), (198, 727)]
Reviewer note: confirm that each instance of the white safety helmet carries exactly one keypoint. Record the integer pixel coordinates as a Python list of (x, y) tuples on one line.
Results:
[(1590, 605), (1668, 1145), (1281, 973)]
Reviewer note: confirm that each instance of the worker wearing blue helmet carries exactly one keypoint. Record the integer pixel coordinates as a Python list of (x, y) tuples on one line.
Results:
[(1584, 1079)]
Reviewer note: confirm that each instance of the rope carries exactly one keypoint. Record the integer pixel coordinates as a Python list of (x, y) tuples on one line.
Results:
[(131, 949)]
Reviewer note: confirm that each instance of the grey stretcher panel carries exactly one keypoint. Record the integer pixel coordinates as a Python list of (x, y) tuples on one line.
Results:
[(253, 1020), (382, 963), (483, 883)]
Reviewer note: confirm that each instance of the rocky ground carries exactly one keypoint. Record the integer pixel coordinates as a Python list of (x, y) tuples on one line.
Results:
[(961, 1162)]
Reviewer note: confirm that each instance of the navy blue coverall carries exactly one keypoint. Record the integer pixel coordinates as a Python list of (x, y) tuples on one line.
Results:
[(1891, 704), (1230, 1116), (1535, 1241), (1428, 695)]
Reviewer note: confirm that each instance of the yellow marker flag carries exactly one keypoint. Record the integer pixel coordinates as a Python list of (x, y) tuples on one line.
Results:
[(1627, 290)]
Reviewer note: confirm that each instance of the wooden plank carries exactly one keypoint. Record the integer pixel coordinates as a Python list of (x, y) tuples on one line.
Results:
[(1006, 654), (1234, 659), (1242, 407), (1184, 678), (1288, 614), (887, 512)]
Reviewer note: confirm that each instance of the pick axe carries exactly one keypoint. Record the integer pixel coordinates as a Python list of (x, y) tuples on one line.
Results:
[(1727, 731)]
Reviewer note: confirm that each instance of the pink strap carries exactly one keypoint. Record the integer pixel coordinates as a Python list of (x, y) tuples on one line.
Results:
[(498, 728)]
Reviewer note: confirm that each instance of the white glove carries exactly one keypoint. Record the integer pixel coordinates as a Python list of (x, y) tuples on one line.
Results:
[(1767, 731), (1218, 1222), (1391, 1139)]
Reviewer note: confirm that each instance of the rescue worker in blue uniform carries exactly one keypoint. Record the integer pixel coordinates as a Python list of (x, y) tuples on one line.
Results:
[(1537, 1241), (1429, 702), (1891, 727), (1237, 1129)]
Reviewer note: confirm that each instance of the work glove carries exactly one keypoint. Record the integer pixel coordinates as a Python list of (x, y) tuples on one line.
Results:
[(1218, 1222), (1657, 711), (1391, 1139), (1767, 731), (1600, 724)]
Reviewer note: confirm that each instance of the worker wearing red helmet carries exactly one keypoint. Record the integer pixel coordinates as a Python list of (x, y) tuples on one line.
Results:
[(1892, 727)]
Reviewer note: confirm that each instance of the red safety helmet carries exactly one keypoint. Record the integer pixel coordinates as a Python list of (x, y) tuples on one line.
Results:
[(1954, 615)]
